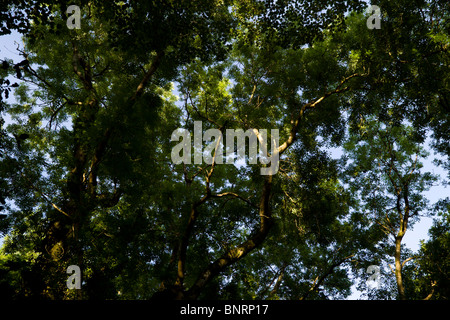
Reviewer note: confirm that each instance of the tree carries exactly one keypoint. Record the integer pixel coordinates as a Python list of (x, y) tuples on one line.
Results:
[(93, 183), (385, 173), (70, 186), (430, 275)]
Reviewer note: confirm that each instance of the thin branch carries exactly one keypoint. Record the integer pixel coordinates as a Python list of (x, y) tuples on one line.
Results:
[(205, 117), (319, 280), (59, 209), (234, 195), (251, 96), (390, 267), (312, 105), (45, 196), (190, 180), (54, 114), (279, 279), (406, 260)]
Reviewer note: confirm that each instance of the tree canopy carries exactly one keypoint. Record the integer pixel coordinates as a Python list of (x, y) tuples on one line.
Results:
[(87, 179)]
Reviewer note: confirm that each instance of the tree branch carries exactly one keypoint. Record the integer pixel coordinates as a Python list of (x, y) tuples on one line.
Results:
[(154, 66), (235, 254), (318, 281), (45, 196), (183, 245), (86, 75), (96, 159), (234, 195), (428, 297), (406, 260), (312, 105)]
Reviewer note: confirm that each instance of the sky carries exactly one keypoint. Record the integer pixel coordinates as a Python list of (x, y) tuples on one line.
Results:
[(8, 46)]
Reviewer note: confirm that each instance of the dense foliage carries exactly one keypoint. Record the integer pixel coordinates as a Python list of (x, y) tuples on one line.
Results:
[(86, 176)]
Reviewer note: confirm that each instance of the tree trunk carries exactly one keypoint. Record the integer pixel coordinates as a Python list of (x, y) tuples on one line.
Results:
[(398, 267)]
